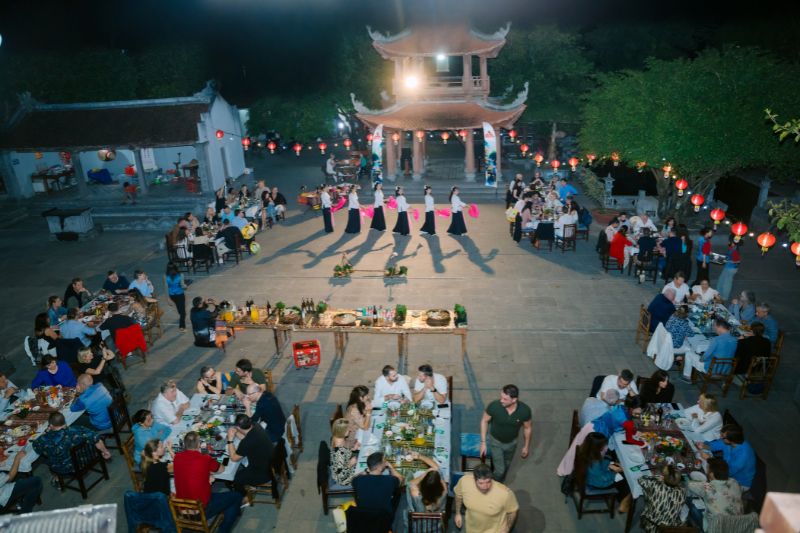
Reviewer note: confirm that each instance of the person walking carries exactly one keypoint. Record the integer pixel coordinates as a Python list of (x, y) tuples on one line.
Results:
[(353, 215), (325, 201), (732, 260), (401, 226), (429, 228), (457, 226), (505, 416), (491, 506), (176, 288), (378, 220), (703, 256)]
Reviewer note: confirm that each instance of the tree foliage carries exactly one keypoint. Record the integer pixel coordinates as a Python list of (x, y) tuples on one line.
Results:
[(556, 66), (696, 114), (360, 70), (171, 70), (302, 117)]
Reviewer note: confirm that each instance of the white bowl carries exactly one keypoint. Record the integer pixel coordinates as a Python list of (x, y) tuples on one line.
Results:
[(697, 476), (394, 405), (426, 404)]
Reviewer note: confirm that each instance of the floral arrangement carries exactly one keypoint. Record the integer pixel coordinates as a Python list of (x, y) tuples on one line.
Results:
[(400, 311), (669, 445)]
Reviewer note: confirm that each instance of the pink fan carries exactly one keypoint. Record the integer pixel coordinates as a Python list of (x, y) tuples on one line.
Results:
[(392, 203), (443, 212), (415, 214), (369, 211), (473, 211), (338, 206)]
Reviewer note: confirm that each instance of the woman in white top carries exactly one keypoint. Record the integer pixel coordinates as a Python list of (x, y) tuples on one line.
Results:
[(325, 201), (705, 417), (567, 218), (429, 228), (353, 215), (401, 226), (703, 293), (516, 232), (457, 226), (378, 220)]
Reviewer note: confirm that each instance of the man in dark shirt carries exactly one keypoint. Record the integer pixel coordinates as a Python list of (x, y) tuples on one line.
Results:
[(76, 294), (229, 234), (257, 447), (748, 348), (646, 243), (267, 409), (661, 308), (203, 321), (192, 471), (116, 284), (116, 321), (375, 490)]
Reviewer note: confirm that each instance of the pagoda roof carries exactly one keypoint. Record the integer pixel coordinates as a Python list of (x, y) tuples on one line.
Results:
[(454, 40), (432, 115)]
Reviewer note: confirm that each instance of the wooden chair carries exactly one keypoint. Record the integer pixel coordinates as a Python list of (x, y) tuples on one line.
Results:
[(271, 489), (120, 423), (235, 254), (568, 239), (337, 414), (426, 522), (85, 460), (325, 485), (597, 382), (544, 232), (183, 264), (270, 382), (469, 448), (128, 448), (645, 263), (575, 427), (778, 348), (153, 330), (761, 372), (204, 258), (190, 515), (583, 494), (719, 371), (582, 230), (297, 421), (450, 389), (608, 262), (643, 328)]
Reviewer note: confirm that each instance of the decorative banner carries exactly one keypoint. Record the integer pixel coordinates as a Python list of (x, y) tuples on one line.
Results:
[(377, 155), (490, 155)]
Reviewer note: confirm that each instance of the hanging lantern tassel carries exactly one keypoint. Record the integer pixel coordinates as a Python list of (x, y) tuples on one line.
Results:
[(766, 240), (796, 251), (444, 213), (739, 229), (392, 203), (473, 211), (415, 214)]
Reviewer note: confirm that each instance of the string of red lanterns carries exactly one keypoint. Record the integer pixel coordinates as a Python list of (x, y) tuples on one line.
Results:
[(697, 200), (538, 158), (445, 135), (573, 163), (524, 149)]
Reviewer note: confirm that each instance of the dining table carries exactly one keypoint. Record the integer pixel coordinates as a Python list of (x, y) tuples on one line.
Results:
[(701, 318)]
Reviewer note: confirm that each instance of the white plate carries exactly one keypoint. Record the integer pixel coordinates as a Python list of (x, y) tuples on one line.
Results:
[(394, 405), (192, 411), (697, 476), (426, 404), (36, 408), (683, 423)]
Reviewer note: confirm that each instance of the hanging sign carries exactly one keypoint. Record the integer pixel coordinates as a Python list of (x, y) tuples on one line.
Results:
[(377, 155), (148, 159), (490, 155)]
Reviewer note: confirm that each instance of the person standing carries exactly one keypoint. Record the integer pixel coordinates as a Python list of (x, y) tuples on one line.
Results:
[(401, 226), (378, 220), (353, 215), (703, 255), (457, 226), (177, 297), (506, 416), (491, 506), (325, 200), (732, 260), (429, 228)]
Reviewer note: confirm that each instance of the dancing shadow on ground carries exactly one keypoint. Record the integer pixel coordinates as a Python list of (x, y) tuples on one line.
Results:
[(436, 253), (293, 248), (365, 247), (331, 250), (399, 253), (474, 253)]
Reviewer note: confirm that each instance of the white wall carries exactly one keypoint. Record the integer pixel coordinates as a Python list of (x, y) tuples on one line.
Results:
[(225, 117), (24, 164), (166, 157)]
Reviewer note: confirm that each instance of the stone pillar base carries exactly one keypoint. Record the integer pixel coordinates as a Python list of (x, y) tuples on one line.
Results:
[(416, 177), (469, 176), (391, 177)]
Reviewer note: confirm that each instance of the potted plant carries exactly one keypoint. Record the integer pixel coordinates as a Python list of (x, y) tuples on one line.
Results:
[(390, 272), (321, 307), (400, 312), (461, 315), (403, 271), (280, 306)]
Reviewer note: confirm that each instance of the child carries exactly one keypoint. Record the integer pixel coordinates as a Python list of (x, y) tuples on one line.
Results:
[(272, 212), (130, 193)]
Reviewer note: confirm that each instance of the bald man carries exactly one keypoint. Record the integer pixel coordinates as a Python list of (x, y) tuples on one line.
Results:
[(93, 398)]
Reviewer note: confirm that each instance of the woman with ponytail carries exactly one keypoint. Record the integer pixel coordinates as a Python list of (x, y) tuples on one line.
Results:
[(353, 214), (457, 226), (378, 220), (156, 473), (429, 228), (401, 226)]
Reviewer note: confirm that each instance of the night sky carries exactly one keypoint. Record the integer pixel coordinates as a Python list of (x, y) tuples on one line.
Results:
[(250, 43)]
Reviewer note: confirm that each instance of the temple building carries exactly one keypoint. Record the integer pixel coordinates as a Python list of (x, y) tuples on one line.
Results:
[(441, 83)]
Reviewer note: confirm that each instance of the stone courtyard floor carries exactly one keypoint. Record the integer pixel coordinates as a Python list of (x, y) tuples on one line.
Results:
[(546, 321)]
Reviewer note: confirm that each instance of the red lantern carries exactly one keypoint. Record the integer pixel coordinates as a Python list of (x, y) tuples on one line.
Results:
[(297, 148), (524, 149), (681, 185), (591, 157), (220, 134), (396, 137), (246, 143), (766, 240), (462, 134), (555, 163), (347, 143), (322, 147), (796, 251), (573, 162), (420, 135), (538, 158), (667, 170), (615, 158), (271, 146), (445, 135), (738, 230), (512, 134), (369, 137), (697, 200), (717, 215)]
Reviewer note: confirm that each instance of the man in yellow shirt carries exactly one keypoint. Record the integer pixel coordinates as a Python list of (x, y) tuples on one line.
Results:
[(491, 506)]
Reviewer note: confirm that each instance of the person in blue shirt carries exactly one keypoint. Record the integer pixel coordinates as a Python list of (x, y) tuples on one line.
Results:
[(175, 290), (743, 308), (703, 256), (723, 346), (679, 327), (53, 373), (239, 220), (145, 429), (770, 324), (736, 451), (226, 214), (142, 284), (612, 421), (566, 190), (93, 398), (55, 309), (661, 308), (73, 328), (115, 284), (596, 471)]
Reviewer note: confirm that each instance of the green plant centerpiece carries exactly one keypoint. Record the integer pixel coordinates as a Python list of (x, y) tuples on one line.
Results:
[(344, 268), (321, 307), (281, 307), (400, 312), (461, 315), (395, 271)]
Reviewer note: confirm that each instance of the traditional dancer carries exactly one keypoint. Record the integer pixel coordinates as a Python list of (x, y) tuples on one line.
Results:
[(378, 220), (353, 214), (325, 200), (457, 226), (429, 228), (401, 226)]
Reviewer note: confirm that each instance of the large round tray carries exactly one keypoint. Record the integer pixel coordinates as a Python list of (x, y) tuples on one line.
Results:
[(344, 319), (438, 317)]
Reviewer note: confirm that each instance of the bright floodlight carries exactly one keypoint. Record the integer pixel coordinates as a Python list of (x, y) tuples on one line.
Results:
[(341, 125), (411, 82), (440, 57)]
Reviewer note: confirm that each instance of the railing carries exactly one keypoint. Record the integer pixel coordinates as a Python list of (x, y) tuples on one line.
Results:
[(444, 85)]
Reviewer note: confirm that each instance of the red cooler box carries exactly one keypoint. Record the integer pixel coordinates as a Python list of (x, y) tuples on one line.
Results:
[(306, 353)]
